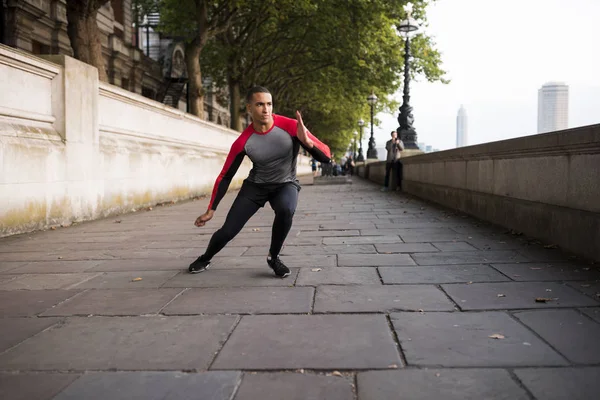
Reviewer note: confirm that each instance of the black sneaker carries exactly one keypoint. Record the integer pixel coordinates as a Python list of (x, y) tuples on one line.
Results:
[(278, 267), (198, 266)]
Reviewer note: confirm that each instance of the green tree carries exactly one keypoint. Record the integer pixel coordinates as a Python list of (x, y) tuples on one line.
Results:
[(195, 22)]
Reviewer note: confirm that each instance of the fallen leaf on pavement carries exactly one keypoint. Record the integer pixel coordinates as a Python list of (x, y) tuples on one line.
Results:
[(393, 366), (543, 299), (316, 269), (255, 229), (501, 295), (496, 336), (136, 279), (336, 373), (60, 257), (437, 374), (118, 221)]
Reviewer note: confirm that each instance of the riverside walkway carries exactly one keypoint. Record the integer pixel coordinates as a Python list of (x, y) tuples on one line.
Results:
[(390, 297)]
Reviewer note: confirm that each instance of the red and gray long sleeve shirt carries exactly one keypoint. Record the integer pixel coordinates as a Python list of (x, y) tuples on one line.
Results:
[(273, 154)]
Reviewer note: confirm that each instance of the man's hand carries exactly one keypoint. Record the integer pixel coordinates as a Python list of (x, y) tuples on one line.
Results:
[(204, 218), (301, 131)]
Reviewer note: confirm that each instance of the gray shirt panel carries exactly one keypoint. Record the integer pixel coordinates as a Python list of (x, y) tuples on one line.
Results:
[(272, 156)]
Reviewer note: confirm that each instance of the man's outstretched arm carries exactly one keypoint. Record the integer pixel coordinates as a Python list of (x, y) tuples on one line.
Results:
[(232, 163), (319, 150)]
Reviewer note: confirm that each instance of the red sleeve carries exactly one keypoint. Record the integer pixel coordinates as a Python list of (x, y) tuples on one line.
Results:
[(320, 150), (232, 163)]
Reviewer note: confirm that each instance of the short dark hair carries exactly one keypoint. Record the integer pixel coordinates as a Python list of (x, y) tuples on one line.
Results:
[(392, 133), (255, 89)]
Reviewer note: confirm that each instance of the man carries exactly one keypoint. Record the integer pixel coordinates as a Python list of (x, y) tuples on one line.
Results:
[(272, 143), (393, 146)]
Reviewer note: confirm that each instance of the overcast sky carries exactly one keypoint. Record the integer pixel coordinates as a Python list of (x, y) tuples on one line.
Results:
[(497, 55)]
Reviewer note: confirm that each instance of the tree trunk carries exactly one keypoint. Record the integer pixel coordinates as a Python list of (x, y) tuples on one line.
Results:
[(235, 103), (83, 32), (196, 92)]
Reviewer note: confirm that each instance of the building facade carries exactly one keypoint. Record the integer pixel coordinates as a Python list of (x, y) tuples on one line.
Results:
[(461, 127), (136, 57), (553, 107)]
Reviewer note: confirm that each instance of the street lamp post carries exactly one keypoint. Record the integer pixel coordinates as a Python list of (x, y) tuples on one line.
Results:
[(372, 151), (354, 155), (360, 156), (406, 131)]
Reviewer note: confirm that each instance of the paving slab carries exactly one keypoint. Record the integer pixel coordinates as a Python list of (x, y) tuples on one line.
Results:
[(316, 250), (361, 239), (417, 237), (396, 229), (45, 256), (47, 281), (261, 262), (27, 303), (127, 280), (495, 243), (338, 276), (145, 253), (574, 335), (463, 340), (129, 343), (516, 295), (141, 264), (437, 274), (377, 298), (56, 266), (114, 302), (7, 266), (593, 313), (374, 260), (294, 386), (330, 233), (548, 272), (447, 384), (267, 300), (405, 248), (33, 386), (349, 225), (153, 386), (15, 330), (468, 257), (535, 253), (238, 277), (590, 288), (561, 383), (454, 246), (309, 341)]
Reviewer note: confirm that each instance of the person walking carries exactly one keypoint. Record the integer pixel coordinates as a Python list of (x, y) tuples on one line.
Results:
[(272, 143), (394, 147)]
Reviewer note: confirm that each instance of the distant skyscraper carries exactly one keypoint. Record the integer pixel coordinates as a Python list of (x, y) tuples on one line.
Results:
[(553, 107), (461, 127)]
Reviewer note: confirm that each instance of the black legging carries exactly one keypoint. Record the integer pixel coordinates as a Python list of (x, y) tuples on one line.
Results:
[(283, 199)]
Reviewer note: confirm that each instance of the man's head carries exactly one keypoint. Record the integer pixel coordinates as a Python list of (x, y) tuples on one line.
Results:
[(259, 104), (394, 135)]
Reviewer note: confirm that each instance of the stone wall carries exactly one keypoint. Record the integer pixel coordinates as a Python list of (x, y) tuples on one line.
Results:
[(74, 149), (546, 186)]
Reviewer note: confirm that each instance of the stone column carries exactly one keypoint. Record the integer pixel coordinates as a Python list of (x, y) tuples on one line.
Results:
[(75, 95)]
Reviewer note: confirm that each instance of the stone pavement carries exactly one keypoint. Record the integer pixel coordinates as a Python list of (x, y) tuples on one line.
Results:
[(390, 298)]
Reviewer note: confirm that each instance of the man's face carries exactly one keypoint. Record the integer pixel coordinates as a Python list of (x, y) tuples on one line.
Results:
[(394, 135), (260, 108)]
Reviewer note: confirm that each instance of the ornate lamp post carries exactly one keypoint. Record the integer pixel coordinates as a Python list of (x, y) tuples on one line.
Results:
[(360, 156), (406, 132), (354, 155), (372, 151)]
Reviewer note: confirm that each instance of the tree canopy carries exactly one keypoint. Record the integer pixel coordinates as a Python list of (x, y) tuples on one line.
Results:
[(323, 57)]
